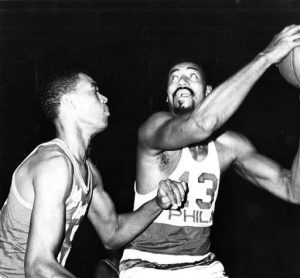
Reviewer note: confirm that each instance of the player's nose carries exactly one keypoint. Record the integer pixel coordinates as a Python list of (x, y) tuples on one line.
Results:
[(103, 99), (183, 81)]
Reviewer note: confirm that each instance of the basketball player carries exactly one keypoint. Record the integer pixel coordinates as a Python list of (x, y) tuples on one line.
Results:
[(54, 186), (182, 145)]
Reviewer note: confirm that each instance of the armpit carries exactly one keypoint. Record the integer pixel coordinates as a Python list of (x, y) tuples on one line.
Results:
[(164, 160)]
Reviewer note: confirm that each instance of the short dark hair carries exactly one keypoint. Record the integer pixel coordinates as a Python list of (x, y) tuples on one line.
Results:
[(53, 88)]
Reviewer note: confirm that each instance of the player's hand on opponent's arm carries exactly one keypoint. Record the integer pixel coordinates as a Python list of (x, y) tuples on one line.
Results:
[(282, 44), (171, 194)]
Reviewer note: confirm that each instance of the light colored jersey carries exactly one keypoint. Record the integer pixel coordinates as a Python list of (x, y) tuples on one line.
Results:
[(16, 213), (182, 235)]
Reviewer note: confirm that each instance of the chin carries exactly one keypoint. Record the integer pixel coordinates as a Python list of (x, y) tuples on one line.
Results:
[(102, 125), (183, 110)]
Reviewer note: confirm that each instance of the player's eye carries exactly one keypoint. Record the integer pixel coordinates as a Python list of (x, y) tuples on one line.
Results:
[(174, 78), (194, 77)]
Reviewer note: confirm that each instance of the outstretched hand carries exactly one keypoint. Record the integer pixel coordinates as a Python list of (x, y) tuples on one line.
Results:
[(171, 194), (282, 44)]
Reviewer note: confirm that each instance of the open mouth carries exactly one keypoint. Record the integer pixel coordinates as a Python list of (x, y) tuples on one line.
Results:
[(183, 92)]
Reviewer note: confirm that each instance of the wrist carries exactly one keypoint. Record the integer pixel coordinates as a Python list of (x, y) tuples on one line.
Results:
[(156, 205), (264, 59)]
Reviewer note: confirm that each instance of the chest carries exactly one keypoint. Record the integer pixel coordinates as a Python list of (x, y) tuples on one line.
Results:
[(169, 160)]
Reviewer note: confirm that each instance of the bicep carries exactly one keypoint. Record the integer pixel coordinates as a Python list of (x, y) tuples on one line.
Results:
[(263, 172), (257, 168), (51, 187), (102, 213), (253, 166), (165, 132)]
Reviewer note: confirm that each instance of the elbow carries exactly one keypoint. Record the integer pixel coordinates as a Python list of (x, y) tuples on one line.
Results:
[(294, 197), (109, 246), (113, 244), (293, 194), (292, 187), (115, 241)]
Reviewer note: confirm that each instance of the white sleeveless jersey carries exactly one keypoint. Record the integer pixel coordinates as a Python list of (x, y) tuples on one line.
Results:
[(16, 213), (185, 231)]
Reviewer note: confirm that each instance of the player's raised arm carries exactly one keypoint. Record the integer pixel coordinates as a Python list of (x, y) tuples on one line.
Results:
[(200, 113), (226, 98), (117, 230), (52, 183)]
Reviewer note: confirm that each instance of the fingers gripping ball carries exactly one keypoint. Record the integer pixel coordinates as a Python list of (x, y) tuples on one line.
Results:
[(289, 67)]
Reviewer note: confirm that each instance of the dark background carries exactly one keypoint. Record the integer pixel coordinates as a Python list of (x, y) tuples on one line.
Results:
[(128, 46)]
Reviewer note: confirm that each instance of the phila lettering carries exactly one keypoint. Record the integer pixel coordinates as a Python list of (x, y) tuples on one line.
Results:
[(198, 209)]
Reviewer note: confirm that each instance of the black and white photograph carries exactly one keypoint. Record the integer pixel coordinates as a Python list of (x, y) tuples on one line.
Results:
[(150, 139)]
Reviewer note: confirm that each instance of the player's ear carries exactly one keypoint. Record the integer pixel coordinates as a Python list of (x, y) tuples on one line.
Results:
[(208, 90), (167, 100), (67, 101), (66, 98)]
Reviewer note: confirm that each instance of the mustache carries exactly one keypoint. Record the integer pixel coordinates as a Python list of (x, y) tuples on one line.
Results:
[(186, 88)]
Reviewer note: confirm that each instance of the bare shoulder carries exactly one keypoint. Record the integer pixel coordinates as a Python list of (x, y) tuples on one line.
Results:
[(153, 123), (230, 145), (231, 140), (48, 167), (51, 156), (52, 169), (44, 157)]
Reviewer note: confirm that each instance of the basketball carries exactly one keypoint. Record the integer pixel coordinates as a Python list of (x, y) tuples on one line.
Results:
[(289, 67)]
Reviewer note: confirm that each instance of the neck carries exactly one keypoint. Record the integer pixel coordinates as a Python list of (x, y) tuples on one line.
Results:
[(77, 141)]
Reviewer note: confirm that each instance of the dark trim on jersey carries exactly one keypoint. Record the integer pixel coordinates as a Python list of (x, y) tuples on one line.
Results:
[(167, 239), (130, 263)]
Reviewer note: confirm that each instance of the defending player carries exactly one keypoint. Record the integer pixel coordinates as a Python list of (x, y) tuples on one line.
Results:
[(55, 185)]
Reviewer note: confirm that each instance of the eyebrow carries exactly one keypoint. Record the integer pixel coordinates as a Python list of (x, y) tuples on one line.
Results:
[(173, 71), (193, 68)]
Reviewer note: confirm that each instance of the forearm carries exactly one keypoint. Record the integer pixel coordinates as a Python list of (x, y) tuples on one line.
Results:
[(223, 102), (219, 105), (132, 224)]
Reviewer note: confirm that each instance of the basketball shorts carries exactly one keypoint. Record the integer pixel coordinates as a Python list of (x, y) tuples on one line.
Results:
[(208, 267)]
